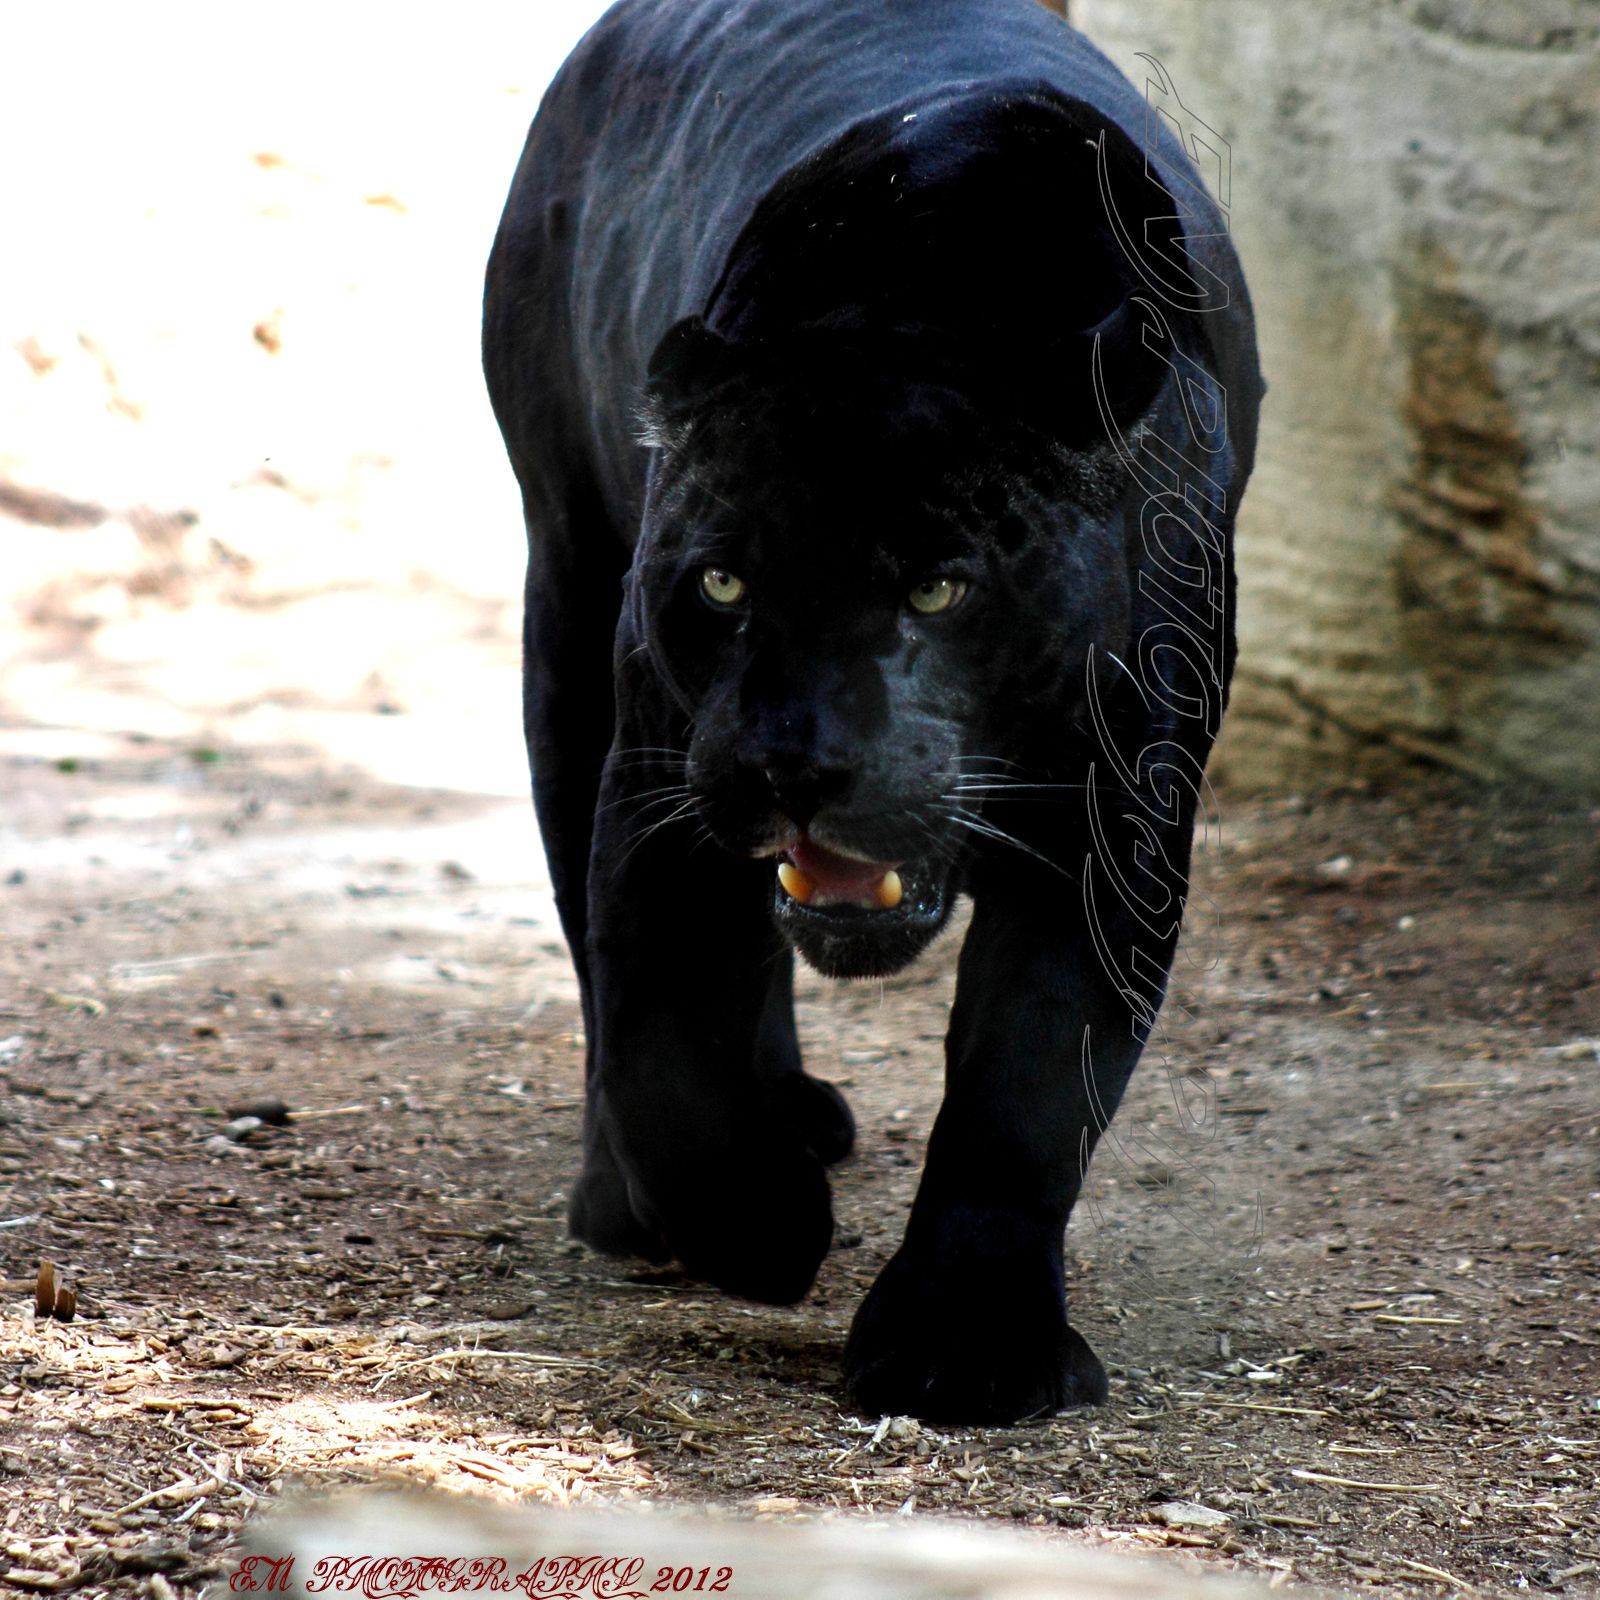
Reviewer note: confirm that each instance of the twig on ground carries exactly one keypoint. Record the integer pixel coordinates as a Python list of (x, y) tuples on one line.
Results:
[(1360, 1483), (534, 1358), (1257, 1405), (1434, 1572)]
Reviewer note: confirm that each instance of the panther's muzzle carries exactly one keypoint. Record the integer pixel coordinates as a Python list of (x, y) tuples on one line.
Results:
[(854, 918)]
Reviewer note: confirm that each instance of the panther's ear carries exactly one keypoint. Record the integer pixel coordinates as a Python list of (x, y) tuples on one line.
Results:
[(688, 363)]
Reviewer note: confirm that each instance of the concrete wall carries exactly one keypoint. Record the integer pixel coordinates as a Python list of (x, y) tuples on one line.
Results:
[(1416, 196)]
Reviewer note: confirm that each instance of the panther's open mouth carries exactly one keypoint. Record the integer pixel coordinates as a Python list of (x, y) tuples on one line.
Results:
[(813, 875), (856, 918)]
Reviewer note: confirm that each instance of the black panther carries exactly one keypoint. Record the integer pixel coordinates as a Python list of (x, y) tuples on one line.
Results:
[(881, 385)]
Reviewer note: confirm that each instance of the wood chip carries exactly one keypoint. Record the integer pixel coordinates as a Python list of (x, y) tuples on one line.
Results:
[(1260, 1405), (1427, 1322), (1360, 1483), (1434, 1572), (44, 1290), (529, 1356), (31, 1578), (190, 1402), (179, 1491), (75, 1002)]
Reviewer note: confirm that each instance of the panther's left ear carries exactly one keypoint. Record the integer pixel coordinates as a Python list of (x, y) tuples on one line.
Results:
[(689, 362)]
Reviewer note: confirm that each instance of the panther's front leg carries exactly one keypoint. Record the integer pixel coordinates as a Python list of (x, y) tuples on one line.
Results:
[(688, 1152), (968, 1321)]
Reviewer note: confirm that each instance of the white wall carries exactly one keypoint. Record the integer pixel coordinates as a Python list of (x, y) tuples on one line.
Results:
[(1416, 196)]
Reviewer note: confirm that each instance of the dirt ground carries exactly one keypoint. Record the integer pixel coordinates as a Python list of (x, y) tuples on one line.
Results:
[(265, 846), (1352, 1303)]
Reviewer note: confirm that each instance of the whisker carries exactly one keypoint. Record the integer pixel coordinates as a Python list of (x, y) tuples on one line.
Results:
[(648, 764), (1000, 760), (1014, 786), (655, 827), (703, 836), (986, 829), (666, 792), (1019, 786), (644, 754)]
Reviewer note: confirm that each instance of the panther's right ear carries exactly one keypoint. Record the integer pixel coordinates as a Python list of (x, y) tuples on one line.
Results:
[(689, 362)]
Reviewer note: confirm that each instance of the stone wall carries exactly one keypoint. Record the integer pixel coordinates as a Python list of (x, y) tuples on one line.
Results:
[(1416, 197)]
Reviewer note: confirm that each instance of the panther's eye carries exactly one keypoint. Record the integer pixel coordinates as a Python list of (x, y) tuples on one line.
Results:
[(934, 595), (722, 587)]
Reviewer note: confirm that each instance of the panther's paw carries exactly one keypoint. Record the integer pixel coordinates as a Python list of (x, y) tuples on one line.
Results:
[(985, 1347), (749, 1211), (818, 1113), (755, 1224), (601, 1214)]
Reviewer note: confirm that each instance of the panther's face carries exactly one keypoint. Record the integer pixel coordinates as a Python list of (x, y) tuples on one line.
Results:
[(866, 617)]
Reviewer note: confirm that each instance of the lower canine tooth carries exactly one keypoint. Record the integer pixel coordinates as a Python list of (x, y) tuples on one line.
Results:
[(795, 883), (890, 890)]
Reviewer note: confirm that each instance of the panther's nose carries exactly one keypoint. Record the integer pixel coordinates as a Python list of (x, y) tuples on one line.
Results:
[(801, 790)]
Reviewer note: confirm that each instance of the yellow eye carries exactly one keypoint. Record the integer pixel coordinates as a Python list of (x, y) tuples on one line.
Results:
[(934, 595), (722, 587)]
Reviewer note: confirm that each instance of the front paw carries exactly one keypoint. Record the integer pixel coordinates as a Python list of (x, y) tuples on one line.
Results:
[(601, 1212), (818, 1113), (972, 1339), (750, 1213), (755, 1222)]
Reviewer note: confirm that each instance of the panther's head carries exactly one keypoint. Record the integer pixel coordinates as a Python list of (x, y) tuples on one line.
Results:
[(883, 528)]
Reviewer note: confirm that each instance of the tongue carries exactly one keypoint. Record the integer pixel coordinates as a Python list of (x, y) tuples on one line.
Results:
[(829, 877)]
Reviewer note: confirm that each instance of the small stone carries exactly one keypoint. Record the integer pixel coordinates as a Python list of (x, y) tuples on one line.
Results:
[(242, 1128), (1186, 1514), (506, 1310), (1577, 1050), (146, 1556), (271, 1113)]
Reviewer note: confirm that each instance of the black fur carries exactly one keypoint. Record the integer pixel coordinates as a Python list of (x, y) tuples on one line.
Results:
[(840, 297)]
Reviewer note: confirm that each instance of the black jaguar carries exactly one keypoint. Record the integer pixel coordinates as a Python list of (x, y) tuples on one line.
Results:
[(881, 386)]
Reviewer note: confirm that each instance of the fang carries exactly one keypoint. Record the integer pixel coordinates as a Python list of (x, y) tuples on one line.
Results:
[(795, 883)]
